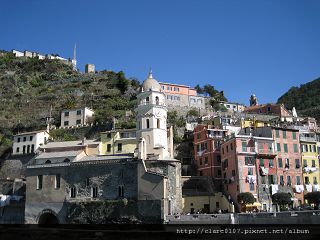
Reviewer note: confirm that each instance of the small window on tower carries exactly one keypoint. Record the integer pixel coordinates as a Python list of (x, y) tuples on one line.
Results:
[(148, 123), (158, 123)]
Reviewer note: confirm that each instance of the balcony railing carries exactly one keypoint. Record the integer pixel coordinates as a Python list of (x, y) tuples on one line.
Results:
[(265, 151), (152, 102), (308, 139), (246, 150)]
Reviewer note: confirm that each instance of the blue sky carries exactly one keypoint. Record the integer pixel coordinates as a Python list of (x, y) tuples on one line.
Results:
[(239, 46)]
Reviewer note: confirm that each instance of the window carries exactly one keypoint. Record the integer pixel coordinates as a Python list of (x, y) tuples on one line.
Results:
[(271, 163), (32, 148), (94, 192), (66, 160), (305, 163), (78, 112), (250, 171), (269, 109), (87, 182), (219, 172), (284, 134), (158, 123), (18, 150), (289, 180), (306, 180), (297, 163), (294, 135), (217, 205), (244, 146), (18, 139), (48, 162), (304, 148), (200, 159), (295, 148), (219, 159), (285, 147), (277, 134), (66, 114), (121, 191), (262, 162), (57, 181), (28, 149), (119, 147), (30, 138), (39, 181), (281, 180), (231, 146), (66, 123), (227, 148), (24, 139), (73, 192), (314, 148), (198, 135), (278, 147), (233, 172), (148, 123), (162, 87), (315, 181), (108, 147), (313, 163), (78, 121), (206, 160), (280, 162), (263, 179), (298, 179), (287, 163), (251, 186), (271, 179), (147, 99), (248, 161), (24, 149), (310, 148)]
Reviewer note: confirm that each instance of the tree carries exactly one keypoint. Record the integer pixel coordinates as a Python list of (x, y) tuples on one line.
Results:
[(193, 112), (199, 89), (281, 199), (245, 198), (209, 90), (313, 197)]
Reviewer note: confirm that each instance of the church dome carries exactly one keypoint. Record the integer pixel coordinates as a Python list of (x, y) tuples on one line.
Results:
[(151, 84)]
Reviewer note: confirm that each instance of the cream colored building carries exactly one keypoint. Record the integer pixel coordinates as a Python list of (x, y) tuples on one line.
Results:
[(29, 142), (76, 117)]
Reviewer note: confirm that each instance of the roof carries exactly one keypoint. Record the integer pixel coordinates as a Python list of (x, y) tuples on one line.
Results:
[(74, 109), (105, 157), (121, 130), (70, 144), (174, 84), (197, 186), (28, 133), (63, 154)]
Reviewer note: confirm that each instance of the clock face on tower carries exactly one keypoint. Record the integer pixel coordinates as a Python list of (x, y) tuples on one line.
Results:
[(158, 113)]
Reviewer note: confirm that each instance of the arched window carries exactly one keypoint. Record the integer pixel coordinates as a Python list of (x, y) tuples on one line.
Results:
[(121, 191), (94, 191), (28, 149), (157, 100), (48, 161), (158, 123), (66, 160), (148, 123), (147, 100), (32, 148), (24, 149)]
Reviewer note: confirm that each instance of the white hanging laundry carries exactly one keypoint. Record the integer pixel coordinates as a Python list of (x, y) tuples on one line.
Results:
[(309, 187)]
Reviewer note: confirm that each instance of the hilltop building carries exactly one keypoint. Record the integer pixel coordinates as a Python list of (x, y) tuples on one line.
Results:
[(90, 68), (76, 117), (29, 142)]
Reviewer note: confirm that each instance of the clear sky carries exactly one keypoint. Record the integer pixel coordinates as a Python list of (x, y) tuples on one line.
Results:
[(239, 46)]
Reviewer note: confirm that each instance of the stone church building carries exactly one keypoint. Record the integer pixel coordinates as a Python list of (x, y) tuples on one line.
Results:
[(72, 183)]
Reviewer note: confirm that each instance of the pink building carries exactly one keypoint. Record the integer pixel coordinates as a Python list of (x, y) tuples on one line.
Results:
[(207, 140)]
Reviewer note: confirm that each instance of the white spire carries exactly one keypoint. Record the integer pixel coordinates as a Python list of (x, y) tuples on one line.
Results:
[(150, 74), (75, 52)]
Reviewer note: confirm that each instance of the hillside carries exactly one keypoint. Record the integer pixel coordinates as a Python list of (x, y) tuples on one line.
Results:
[(29, 86), (306, 99)]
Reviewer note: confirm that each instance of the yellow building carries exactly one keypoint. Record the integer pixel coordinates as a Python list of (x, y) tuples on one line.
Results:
[(119, 141), (245, 123), (310, 162)]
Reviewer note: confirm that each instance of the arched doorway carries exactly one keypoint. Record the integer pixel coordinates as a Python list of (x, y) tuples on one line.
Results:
[(48, 217)]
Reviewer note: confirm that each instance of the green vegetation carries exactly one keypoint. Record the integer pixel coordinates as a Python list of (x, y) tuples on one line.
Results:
[(281, 199), (313, 197), (246, 198), (306, 99), (29, 86)]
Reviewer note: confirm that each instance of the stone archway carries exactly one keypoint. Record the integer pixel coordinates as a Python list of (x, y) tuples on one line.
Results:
[(48, 217)]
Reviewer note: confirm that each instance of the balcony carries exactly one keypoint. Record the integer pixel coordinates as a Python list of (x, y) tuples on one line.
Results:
[(266, 152), (246, 150), (152, 103), (308, 138)]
